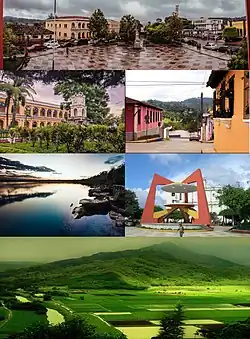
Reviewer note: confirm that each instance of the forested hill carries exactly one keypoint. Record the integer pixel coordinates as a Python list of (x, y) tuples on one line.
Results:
[(194, 103), (157, 265), (116, 176)]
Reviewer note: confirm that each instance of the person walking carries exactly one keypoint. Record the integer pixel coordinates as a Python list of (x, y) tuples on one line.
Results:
[(181, 230)]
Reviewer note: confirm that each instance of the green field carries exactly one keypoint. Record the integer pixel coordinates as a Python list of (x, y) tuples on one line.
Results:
[(19, 320), (118, 309)]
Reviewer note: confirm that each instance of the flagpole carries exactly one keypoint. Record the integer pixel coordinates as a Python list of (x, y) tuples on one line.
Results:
[(248, 29), (53, 61), (1, 34)]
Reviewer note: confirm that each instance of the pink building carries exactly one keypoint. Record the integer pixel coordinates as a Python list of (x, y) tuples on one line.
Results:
[(142, 120)]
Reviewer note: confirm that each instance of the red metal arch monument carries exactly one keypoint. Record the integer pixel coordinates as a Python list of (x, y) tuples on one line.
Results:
[(194, 182)]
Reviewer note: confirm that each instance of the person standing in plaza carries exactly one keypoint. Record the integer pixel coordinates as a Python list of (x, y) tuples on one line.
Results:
[(181, 230)]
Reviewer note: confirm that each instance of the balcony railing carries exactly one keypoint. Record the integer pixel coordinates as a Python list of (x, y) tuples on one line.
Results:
[(226, 114)]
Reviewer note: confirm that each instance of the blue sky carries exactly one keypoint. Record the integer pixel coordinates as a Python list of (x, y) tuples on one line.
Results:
[(68, 166), (217, 169)]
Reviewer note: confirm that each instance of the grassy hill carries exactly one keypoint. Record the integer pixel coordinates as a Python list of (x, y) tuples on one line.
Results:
[(12, 265), (162, 264)]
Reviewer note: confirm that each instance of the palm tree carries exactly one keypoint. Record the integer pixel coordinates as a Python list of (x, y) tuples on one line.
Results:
[(16, 93)]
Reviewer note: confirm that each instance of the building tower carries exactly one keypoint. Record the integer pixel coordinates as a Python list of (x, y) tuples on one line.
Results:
[(78, 111), (177, 8)]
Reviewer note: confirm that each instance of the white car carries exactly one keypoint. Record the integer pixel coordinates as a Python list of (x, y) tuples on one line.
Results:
[(211, 45), (51, 44)]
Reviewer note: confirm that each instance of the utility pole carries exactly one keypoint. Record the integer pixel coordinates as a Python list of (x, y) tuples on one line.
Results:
[(248, 29), (1, 34), (201, 112)]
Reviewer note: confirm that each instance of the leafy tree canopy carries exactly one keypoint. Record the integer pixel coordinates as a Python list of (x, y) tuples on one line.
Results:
[(98, 25)]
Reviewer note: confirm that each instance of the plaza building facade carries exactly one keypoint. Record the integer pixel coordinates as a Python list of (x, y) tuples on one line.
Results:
[(75, 27), (231, 111), (142, 120), (33, 114)]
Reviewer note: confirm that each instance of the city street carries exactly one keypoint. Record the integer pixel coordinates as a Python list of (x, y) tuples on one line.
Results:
[(175, 145), (124, 57), (219, 231)]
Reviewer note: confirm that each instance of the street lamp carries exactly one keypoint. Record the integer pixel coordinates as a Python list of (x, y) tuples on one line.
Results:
[(53, 61)]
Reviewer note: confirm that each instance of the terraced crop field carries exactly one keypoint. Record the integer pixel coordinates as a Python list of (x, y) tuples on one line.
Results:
[(138, 314)]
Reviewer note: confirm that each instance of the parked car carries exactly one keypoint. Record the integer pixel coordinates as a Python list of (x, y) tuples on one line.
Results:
[(36, 48), (210, 45), (82, 42), (51, 44), (223, 49), (194, 137)]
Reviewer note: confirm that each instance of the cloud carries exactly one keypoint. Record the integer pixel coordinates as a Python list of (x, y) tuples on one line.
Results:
[(165, 85), (217, 170), (160, 196), (144, 10)]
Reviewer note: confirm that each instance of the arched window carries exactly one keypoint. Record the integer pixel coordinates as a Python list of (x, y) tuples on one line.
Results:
[(49, 113), (73, 25), (75, 112), (79, 25), (42, 112), (55, 114), (60, 114)]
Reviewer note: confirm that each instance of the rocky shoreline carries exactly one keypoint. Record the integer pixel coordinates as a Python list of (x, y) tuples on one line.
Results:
[(103, 201)]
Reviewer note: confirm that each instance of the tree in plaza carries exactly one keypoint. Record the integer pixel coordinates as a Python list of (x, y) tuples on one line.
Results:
[(96, 98), (9, 41), (165, 32), (240, 59), (98, 25), (237, 199), (16, 93), (175, 27), (158, 208), (133, 210), (172, 325), (230, 33), (128, 26)]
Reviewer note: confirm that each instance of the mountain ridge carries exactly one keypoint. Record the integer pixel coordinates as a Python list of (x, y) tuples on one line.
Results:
[(156, 265)]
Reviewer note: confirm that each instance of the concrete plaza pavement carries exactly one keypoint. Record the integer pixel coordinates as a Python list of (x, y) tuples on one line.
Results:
[(219, 231), (113, 57), (174, 145)]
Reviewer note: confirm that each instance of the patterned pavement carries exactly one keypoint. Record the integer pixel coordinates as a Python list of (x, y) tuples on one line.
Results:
[(124, 57), (219, 231)]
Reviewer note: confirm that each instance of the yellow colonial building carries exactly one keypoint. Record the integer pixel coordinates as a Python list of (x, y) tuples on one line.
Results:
[(240, 25), (231, 111), (33, 114), (75, 27)]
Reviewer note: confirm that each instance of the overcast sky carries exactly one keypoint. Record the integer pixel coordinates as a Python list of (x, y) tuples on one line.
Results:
[(164, 85), (142, 9), (67, 166)]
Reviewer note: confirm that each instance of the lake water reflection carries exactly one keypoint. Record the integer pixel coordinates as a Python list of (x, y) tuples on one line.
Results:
[(33, 209)]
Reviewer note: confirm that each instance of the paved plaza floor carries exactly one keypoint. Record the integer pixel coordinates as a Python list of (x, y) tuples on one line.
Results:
[(175, 145), (219, 231), (124, 57)]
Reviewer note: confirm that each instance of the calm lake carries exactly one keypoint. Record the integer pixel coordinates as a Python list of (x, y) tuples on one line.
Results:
[(34, 209)]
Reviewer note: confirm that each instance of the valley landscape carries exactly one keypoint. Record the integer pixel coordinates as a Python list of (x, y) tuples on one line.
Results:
[(127, 292)]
